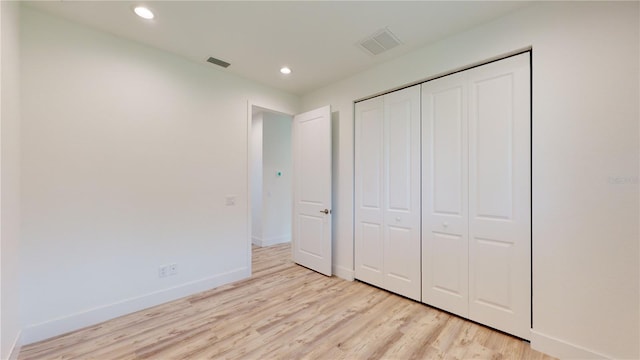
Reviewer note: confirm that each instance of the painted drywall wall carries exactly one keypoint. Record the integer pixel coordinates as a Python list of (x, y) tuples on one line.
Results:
[(585, 162), (277, 189), (10, 325), (271, 200), (256, 178), (129, 154)]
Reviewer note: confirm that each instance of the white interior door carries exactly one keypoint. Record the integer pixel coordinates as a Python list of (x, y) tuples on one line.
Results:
[(311, 235), (445, 241), (402, 192), (500, 195), (369, 164)]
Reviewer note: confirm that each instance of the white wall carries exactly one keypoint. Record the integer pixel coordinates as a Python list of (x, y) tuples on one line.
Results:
[(277, 190), (9, 179), (128, 155), (585, 162)]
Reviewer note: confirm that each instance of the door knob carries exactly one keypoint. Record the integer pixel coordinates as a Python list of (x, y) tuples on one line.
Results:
[(325, 211)]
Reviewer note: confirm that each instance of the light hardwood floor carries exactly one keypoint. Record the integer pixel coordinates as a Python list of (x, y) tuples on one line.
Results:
[(285, 311)]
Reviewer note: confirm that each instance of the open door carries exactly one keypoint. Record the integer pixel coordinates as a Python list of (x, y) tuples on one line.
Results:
[(311, 235)]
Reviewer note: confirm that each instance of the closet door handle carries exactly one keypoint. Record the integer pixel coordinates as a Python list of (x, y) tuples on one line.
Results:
[(325, 211)]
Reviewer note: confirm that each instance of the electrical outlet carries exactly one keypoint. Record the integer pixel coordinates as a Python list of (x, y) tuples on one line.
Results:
[(168, 270), (163, 271)]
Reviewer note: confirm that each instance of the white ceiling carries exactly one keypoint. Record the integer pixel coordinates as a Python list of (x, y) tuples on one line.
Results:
[(317, 40)]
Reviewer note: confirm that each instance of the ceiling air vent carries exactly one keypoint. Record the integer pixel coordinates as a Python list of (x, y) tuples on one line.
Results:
[(380, 42), (218, 62)]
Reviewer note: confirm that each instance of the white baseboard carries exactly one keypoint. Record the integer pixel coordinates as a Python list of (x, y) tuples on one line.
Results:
[(97, 315), (17, 346), (562, 349), (343, 272), (270, 241)]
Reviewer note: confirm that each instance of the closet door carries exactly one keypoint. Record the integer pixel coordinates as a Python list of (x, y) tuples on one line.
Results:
[(369, 124), (500, 195), (445, 242), (387, 192), (401, 239)]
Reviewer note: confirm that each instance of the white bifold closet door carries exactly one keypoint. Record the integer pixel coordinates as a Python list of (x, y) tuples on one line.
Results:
[(387, 192), (476, 216), (445, 188)]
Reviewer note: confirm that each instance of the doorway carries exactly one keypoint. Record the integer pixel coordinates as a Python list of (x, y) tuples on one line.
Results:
[(271, 170), (305, 198)]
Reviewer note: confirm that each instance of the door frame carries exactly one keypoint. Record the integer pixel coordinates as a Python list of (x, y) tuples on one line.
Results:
[(270, 108)]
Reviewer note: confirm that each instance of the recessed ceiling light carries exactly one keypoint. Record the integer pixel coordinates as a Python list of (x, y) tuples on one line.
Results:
[(143, 12), (285, 70)]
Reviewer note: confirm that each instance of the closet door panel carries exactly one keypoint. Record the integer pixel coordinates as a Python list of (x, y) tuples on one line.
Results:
[(444, 201), (397, 267), (402, 192), (499, 195), (369, 169), (398, 154)]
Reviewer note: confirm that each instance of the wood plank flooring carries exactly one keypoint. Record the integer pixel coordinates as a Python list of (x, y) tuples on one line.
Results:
[(285, 311)]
